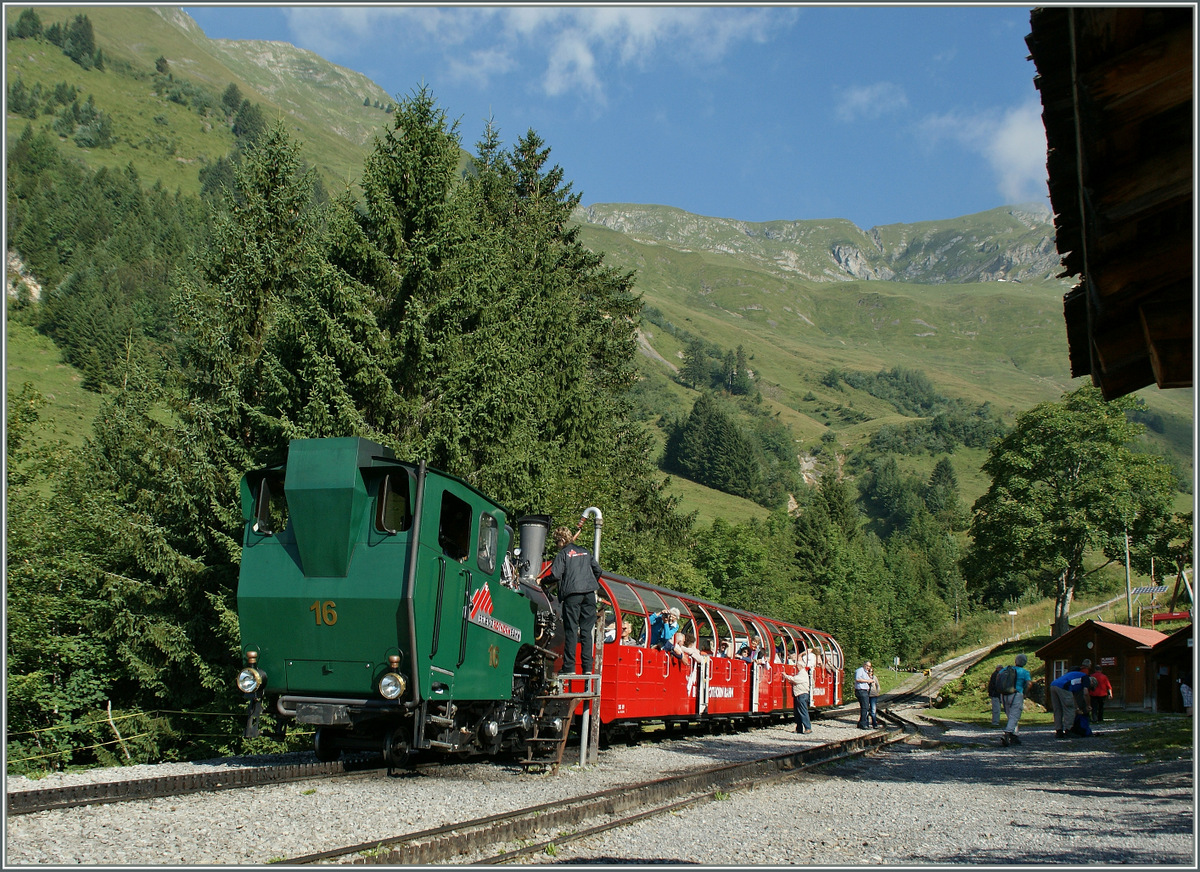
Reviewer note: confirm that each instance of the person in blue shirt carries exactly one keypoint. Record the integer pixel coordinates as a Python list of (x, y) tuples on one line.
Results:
[(1014, 703), (1069, 697), (663, 627)]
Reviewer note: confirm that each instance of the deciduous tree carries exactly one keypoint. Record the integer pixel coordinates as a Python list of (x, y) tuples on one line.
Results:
[(1065, 483)]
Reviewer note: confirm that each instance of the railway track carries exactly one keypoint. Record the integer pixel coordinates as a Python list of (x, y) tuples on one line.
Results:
[(612, 808), (917, 691), (41, 799), (73, 796)]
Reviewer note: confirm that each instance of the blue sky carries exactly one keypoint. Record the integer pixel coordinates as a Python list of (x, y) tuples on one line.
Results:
[(879, 114)]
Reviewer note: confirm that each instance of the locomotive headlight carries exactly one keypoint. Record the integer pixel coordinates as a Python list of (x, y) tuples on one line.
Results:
[(249, 680), (392, 686)]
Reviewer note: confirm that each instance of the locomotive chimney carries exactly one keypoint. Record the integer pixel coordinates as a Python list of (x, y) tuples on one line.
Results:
[(533, 530)]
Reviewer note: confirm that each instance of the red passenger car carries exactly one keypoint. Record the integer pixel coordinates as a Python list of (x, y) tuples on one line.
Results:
[(641, 683)]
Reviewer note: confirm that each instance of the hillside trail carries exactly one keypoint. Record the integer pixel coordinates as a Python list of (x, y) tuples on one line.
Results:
[(928, 684)]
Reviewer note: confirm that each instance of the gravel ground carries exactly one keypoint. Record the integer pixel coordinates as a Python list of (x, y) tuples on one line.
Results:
[(960, 800)]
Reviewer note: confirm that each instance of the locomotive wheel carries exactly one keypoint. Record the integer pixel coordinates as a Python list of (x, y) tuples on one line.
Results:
[(395, 749), (326, 746)]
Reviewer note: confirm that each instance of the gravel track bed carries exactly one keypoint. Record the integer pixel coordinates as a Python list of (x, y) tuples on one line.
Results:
[(965, 801)]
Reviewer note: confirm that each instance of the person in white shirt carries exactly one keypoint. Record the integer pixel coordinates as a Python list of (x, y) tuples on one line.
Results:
[(862, 690), (802, 689)]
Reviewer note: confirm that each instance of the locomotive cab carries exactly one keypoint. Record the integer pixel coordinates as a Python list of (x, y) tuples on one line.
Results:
[(373, 605)]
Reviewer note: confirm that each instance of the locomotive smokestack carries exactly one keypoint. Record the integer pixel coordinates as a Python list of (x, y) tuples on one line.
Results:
[(533, 529)]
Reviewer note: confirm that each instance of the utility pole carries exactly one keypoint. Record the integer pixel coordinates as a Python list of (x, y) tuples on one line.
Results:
[(1128, 590)]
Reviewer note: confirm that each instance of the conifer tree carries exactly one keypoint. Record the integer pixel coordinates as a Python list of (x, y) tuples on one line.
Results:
[(231, 99), (29, 25), (511, 345)]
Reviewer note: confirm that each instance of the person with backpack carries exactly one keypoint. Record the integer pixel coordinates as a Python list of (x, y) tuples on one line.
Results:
[(1012, 683), (993, 691)]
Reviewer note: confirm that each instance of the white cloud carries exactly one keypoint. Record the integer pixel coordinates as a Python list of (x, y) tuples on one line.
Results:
[(478, 67), (1013, 142), (568, 50), (1017, 153), (572, 67), (868, 102)]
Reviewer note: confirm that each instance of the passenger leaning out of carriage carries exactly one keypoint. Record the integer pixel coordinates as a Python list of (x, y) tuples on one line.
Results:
[(686, 652), (750, 652), (663, 627)]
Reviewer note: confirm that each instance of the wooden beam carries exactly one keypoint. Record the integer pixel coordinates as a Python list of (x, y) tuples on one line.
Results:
[(1139, 271), (1148, 79), (1167, 327), (1124, 379), (1172, 363), (1145, 185)]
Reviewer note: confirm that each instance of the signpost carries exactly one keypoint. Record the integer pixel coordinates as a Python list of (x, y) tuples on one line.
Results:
[(1012, 617)]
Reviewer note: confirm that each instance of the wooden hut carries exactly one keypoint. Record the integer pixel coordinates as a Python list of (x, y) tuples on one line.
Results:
[(1172, 660), (1124, 653)]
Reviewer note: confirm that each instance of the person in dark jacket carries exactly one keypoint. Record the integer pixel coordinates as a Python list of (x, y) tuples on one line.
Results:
[(994, 694), (577, 575)]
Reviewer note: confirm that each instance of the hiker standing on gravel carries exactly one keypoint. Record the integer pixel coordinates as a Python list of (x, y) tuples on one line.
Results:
[(993, 691), (862, 690), (1014, 703)]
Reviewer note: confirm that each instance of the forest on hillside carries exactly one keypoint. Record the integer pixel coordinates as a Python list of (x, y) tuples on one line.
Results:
[(456, 318)]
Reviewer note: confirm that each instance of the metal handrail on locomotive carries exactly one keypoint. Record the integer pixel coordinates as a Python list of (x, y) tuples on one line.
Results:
[(386, 604)]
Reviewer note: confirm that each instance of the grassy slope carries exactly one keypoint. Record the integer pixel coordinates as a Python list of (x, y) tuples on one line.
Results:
[(1003, 343), (31, 357), (326, 115)]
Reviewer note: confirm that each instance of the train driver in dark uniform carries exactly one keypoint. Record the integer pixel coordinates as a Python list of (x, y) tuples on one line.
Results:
[(577, 574)]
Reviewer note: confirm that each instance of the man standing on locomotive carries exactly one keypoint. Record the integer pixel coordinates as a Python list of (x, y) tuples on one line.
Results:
[(577, 575)]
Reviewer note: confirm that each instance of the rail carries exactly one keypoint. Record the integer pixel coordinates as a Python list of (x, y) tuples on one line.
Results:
[(451, 842)]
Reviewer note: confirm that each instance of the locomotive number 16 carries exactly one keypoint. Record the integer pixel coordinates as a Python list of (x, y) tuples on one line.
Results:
[(324, 612)]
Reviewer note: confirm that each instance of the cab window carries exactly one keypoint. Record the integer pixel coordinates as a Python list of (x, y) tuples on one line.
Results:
[(487, 543), (454, 527), (393, 512), (270, 507)]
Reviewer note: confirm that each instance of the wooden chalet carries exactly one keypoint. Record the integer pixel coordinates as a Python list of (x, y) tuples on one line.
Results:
[(1124, 653), (1116, 88), (1173, 660)]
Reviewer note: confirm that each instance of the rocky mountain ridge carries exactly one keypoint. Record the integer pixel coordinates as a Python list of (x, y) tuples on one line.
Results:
[(1011, 243)]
